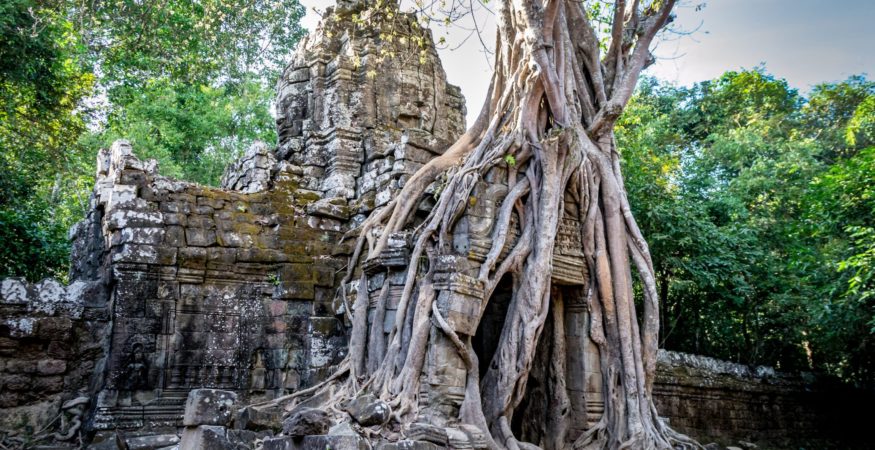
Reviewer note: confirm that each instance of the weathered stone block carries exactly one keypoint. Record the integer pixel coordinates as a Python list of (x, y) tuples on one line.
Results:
[(51, 367), (20, 366), (54, 328), (174, 236), (460, 311), (306, 422), (205, 222), (295, 290), (16, 382), (200, 237), (136, 253), (151, 442), (175, 219), (255, 418), (147, 235), (429, 433), (335, 208), (192, 257), (233, 239), (119, 219), (260, 255), (205, 437), (368, 410), (209, 407), (13, 291)]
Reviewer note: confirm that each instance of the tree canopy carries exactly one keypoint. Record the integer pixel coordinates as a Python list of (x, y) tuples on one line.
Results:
[(758, 205), (189, 83)]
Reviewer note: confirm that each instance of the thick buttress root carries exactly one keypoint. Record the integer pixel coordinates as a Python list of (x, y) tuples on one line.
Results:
[(546, 128)]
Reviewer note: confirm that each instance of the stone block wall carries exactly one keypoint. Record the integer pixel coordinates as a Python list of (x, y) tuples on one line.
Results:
[(719, 401), (211, 288), (49, 346)]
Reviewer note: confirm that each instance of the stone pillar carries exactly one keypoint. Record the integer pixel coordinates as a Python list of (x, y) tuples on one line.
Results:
[(583, 368), (458, 300)]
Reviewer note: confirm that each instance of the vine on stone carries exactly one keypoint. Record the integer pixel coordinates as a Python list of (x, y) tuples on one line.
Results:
[(543, 141)]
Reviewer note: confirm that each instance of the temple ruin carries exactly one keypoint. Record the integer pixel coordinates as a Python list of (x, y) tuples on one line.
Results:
[(188, 306)]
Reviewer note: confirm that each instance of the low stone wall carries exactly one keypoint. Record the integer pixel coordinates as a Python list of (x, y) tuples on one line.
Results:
[(723, 402), (49, 346)]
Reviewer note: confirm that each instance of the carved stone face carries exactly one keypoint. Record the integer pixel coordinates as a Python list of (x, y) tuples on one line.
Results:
[(291, 111)]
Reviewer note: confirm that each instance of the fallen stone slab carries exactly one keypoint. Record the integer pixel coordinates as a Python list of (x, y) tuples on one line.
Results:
[(205, 437), (255, 418), (209, 407), (368, 410), (306, 422), (151, 442)]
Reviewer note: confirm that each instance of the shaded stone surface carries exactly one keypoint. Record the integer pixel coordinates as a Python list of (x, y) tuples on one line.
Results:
[(205, 437), (316, 443), (209, 407), (367, 410), (735, 404), (307, 421)]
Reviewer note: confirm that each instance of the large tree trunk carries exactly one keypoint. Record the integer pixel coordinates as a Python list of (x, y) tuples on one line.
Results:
[(545, 131)]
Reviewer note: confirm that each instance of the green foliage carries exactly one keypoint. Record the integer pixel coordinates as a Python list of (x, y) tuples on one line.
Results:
[(43, 180), (861, 126), (759, 215), (190, 83), (831, 116), (193, 131), (189, 41)]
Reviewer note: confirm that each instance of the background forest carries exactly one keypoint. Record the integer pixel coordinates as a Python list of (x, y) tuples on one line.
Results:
[(758, 201)]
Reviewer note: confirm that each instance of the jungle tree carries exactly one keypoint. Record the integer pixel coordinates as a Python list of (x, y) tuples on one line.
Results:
[(557, 90)]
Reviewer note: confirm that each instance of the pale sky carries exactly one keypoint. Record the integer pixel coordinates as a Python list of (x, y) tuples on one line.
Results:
[(804, 41)]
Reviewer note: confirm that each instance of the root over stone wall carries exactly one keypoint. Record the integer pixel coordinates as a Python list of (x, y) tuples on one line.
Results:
[(183, 291)]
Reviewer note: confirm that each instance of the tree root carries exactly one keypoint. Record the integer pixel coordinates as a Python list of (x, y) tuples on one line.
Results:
[(550, 109)]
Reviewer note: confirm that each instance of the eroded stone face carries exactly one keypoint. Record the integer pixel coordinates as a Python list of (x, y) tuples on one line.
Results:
[(356, 124)]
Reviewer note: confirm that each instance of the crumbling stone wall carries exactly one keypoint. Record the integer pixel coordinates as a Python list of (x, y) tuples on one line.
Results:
[(211, 288), (53, 341), (719, 401), (49, 345)]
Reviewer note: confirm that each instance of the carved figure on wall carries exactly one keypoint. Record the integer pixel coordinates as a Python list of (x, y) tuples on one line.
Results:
[(136, 370), (257, 372)]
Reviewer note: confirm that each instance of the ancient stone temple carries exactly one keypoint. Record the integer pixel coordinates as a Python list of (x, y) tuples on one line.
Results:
[(187, 303), (177, 286)]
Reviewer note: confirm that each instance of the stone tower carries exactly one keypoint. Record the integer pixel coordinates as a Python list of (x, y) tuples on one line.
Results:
[(177, 286), (357, 115)]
